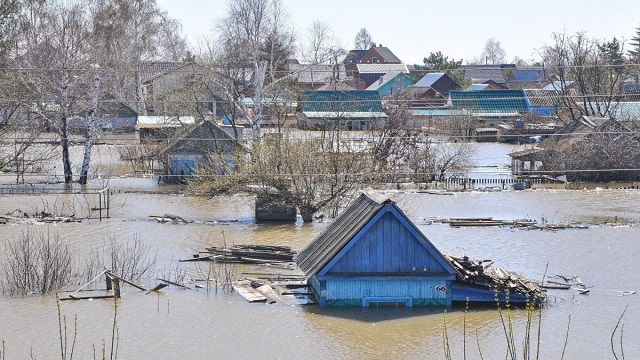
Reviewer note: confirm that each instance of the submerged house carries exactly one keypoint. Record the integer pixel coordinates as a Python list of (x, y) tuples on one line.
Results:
[(202, 145), (491, 107), (373, 255), (335, 109)]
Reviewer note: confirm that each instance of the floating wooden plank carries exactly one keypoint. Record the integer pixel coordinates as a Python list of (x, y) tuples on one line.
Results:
[(249, 293), (557, 286), (269, 293), (158, 287), (175, 283), (125, 281), (74, 297)]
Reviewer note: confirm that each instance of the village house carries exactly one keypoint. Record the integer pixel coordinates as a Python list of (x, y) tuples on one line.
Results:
[(195, 147), (491, 107), (529, 78), (113, 116), (161, 128), (331, 109), (373, 255), (167, 85), (480, 73), (315, 76), (431, 90), (485, 85), (391, 84), (379, 55), (367, 74)]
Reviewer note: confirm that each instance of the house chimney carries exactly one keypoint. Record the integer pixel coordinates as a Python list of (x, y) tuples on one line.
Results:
[(381, 80)]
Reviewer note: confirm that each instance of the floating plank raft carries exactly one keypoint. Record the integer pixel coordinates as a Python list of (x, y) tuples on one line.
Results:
[(249, 293), (247, 254), (490, 222)]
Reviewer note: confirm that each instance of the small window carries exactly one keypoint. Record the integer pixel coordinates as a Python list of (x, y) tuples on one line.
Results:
[(374, 60)]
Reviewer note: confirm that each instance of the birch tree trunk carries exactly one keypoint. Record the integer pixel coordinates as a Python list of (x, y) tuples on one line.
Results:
[(142, 106), (91, 132), (261, 68), (63, 127)]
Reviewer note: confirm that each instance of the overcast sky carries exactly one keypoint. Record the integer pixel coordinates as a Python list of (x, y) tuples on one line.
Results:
[(413, 29)]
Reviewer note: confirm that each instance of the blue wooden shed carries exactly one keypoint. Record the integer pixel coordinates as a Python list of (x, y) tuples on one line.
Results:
[(373, 255)]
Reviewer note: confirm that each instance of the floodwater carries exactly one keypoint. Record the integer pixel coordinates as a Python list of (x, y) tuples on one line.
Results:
[(187, 324)]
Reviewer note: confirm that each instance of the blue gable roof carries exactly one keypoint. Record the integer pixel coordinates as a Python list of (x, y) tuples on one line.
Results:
[(389, 244)]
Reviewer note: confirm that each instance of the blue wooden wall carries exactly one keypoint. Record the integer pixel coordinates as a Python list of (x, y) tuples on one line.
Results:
[(387, 260), (388, 246)]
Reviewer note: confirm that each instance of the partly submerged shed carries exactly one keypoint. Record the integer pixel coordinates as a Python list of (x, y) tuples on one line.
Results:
[(372, 255), (200, 146)]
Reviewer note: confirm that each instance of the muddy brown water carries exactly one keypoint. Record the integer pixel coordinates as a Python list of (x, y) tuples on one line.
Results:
[(180, 324)]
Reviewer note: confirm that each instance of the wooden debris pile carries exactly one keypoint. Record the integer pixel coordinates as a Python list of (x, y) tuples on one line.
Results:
[(459, 222), (20, 217), (168, 218), (521, 224), (482, 273), (275, 288), (248, 254), (111, 290)]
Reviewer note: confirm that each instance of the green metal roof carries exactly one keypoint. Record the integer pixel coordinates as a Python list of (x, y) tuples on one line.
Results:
[(490, 102), (626, 111), (332, 101)]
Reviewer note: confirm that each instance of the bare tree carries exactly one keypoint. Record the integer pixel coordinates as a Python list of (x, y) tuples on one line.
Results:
[(589, 73), (437, 160), (321, 44), (250, 32), (492, 54), (363, 40), (131, 33), (54, 50)]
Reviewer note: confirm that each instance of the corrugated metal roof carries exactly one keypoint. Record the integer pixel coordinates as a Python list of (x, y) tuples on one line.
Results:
[(545, 98), (327, 244), (477, 87), (385, 79), (527, 75), (350, 101), (558, 85), (381, 68), (490, 102), (429, 79), (627, 111), (439, 112), (317, 73), (343, 115), (148, 122), (151, 69), (484, 72), (525, 152)]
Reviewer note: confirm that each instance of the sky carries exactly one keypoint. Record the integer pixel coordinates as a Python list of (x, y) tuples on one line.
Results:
[(457, 28)]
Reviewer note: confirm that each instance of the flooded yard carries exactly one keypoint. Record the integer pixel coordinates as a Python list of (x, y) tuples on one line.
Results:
[(198, 324)]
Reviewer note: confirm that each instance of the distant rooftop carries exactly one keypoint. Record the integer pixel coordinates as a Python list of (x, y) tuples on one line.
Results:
[(381, 68), (429, 79)]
